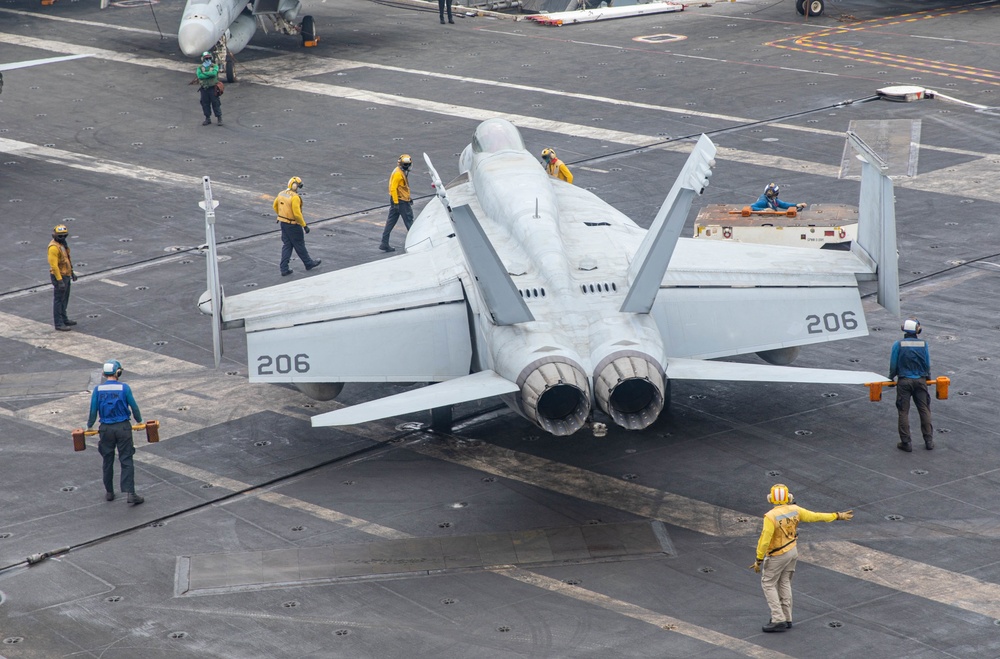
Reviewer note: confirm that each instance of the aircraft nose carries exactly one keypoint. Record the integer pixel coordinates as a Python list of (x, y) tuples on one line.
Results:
[(195, 36)]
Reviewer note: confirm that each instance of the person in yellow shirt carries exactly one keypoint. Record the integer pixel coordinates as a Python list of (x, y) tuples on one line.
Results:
[(288, 206), (61, 273), (555, 167), (777, 553), (399, 199)]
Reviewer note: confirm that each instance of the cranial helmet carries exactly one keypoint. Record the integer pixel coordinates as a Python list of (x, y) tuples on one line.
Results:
[(548, 154), (113, 367), (912, 326), (771, 190), (60, 230), (779, 494), (294, 183), (404, 161), (206, 55)]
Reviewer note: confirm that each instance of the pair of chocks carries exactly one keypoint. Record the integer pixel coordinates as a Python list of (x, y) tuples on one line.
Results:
[(940, 385), (152, 429)]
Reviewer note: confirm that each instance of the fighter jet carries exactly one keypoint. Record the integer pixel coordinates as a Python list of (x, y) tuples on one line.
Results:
[(34, 62), (518, 285), (224, 27)]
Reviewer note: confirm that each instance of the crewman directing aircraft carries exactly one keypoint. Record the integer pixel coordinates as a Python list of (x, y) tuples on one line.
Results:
[(777, 553)]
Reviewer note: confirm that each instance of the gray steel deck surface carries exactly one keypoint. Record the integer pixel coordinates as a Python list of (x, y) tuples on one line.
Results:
[(113, 146)]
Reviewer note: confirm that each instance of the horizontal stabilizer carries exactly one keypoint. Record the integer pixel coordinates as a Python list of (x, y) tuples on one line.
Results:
[(505, 304), (451, 392), (700, 369)]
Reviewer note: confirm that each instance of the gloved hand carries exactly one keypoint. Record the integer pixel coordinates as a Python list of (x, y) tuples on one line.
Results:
[(756, 565), (306, 228), (800, 206), (61, 284), (847, 514), (73, 276)]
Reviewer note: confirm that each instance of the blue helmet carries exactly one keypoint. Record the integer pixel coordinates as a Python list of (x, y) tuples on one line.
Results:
[(771, 191), (113, 367), (911, 326)]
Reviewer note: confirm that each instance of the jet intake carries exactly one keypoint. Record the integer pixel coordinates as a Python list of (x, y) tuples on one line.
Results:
[(555, 395), (630, 389), (240, 32), (289, 9)]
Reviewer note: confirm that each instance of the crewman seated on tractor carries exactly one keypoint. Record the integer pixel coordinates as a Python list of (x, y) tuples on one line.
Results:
[(769, 200)]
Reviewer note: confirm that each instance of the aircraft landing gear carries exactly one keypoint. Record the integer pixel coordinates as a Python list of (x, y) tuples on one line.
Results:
[(230, 67), (308, 31), (814, 7), (441, 419)]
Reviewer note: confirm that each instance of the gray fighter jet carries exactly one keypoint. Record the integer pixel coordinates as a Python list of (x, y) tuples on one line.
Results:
[(225, 27), (518, 285)]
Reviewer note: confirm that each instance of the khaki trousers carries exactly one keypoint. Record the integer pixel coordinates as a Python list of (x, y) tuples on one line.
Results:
[(776, 580)]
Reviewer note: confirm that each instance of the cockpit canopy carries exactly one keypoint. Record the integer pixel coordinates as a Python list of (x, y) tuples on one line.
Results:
[(496, 135)]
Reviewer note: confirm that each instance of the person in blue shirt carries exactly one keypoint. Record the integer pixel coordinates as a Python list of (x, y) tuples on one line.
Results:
[(769, 201), (910, 366), (113, 401)]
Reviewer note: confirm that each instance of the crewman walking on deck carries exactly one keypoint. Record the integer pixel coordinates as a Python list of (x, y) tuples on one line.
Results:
[(113, 400), (911, 362), (555, 167), (208, 78), (399, 199), (288, 206), (769, 201), (61, 273), (777, 553)]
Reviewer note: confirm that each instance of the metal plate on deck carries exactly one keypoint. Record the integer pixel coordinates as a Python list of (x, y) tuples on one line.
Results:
[(896, 141), (215, 573)]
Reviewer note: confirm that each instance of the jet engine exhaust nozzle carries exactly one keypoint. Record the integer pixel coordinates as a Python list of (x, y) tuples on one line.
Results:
[(555, 395), (629, 389)]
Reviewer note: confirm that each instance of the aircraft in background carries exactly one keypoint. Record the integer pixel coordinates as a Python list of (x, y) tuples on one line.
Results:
[(224, 27), (518, 285), (34, 62)]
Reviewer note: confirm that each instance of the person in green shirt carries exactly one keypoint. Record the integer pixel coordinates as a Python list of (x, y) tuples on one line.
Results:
[(208, 77)]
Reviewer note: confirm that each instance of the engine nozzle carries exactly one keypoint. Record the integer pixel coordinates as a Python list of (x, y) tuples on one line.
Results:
[(630, 389), (555, 395)]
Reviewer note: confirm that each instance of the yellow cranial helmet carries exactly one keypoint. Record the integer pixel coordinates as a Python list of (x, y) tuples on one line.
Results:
[(548, 153), (60, 230), (405, 159), (294, 183), (779, 494)]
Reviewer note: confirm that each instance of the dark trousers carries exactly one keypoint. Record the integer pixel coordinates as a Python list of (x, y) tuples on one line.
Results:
[(441, 6), (915, 388), (210, 102), (293, 237), (60, 300), (403, 209), (117, 436)]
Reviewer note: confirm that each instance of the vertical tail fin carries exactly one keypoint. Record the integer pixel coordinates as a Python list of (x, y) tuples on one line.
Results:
[(653, 256), (876, 241), (214, 285)]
